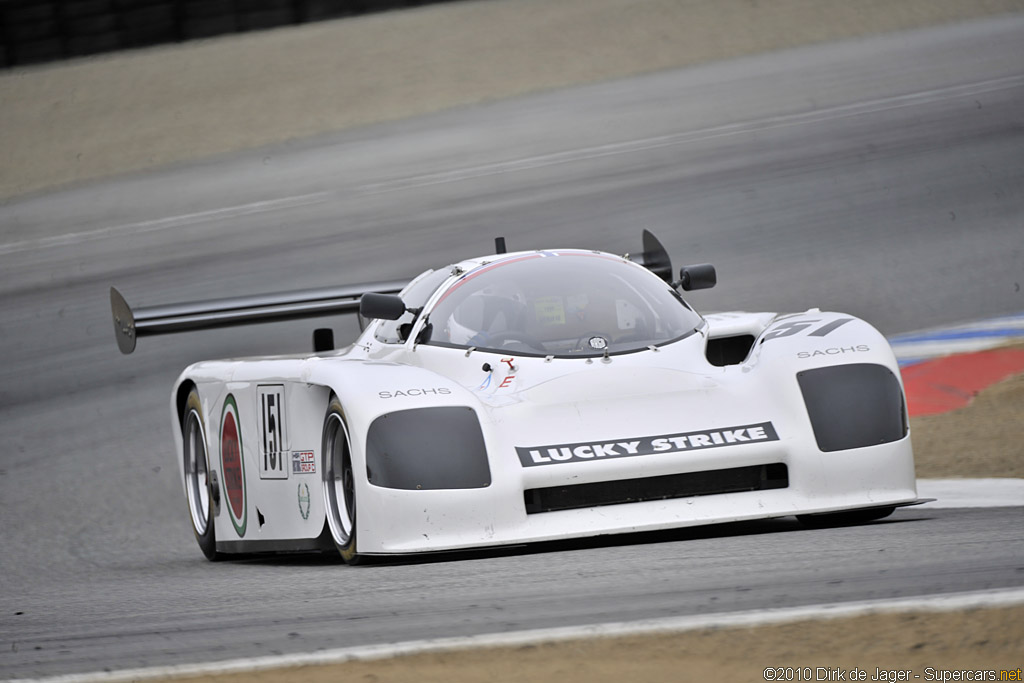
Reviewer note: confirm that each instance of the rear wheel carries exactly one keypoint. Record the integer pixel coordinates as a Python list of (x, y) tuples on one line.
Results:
[(844, 518), (339, 483), (199, 483)]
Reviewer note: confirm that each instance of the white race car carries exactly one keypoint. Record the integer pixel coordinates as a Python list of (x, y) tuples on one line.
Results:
[(526, 397)]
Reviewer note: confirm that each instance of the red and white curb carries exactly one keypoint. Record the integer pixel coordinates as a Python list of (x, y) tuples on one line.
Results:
[(944, 368), (915, 347)]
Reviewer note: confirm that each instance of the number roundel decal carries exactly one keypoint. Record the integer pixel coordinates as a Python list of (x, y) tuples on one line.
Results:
[(232, 464)]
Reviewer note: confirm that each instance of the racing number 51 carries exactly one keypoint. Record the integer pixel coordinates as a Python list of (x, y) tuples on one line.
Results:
[(271, 402), (797, 326)]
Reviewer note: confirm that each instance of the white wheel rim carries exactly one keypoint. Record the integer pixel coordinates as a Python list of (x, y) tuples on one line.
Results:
[(338, 484), (197, 474)]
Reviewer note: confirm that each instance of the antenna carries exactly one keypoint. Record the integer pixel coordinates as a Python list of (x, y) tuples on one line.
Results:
[(499, 245)]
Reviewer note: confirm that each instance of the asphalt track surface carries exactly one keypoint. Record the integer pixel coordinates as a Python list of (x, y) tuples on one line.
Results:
[(882, 177)]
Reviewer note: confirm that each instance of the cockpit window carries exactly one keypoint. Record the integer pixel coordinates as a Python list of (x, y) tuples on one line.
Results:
[(562, 304), (415, 296)]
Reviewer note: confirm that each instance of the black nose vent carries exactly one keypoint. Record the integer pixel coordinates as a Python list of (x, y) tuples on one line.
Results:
[(688, 484)]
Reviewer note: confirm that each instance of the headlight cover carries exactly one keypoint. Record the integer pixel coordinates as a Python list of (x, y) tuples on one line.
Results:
[(427, 449), (853, 406)]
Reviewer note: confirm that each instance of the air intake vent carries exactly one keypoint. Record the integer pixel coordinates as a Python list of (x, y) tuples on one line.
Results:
[(708, 483)]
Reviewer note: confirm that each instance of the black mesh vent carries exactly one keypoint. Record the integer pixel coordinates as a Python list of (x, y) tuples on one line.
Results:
[(709, 483)]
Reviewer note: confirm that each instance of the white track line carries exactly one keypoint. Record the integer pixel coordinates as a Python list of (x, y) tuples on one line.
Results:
[(164, 223), (767, 123), (538, 161), (939, 603)]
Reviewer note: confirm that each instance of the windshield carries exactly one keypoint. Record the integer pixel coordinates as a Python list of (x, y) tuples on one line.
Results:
[(569, 303)]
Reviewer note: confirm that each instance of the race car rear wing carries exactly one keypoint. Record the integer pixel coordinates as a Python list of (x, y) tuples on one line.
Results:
[(129, 325)]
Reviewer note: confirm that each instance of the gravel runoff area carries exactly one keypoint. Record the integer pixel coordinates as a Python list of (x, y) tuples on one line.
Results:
[(98, 117), (84, 120)]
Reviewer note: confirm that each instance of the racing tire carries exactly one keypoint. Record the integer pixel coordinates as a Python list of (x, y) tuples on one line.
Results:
[(339, 482), (848, 518), (200, 491)]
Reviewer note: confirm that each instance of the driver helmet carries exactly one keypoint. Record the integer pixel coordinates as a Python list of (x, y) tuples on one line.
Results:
[(483, 315)]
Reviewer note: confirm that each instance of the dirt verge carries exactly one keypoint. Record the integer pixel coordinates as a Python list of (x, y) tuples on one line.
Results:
[(981, 639), (985, 439), (114, 114)]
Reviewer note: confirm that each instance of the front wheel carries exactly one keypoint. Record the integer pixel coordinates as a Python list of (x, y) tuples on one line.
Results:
[(339, 482), (200, 487)]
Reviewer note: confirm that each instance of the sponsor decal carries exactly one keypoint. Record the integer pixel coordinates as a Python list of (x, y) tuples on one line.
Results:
[(549, 311), (304, 500), (435, 391), (598, 343), (232, 464), (646, 445), (835, 351), (270, 402), (303, 462)]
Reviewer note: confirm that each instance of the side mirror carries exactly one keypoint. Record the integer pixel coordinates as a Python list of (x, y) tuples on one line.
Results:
[(700, 276), (381, 306)]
